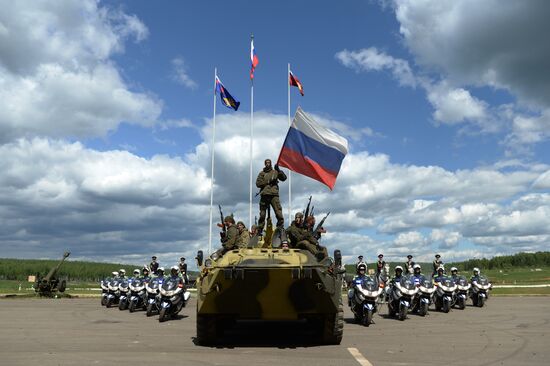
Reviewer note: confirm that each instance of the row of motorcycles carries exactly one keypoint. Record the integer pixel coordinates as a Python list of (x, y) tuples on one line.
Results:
[(413, 293), (165, 296)]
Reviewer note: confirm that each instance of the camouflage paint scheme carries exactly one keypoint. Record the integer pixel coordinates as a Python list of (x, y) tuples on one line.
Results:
[(269, 284)]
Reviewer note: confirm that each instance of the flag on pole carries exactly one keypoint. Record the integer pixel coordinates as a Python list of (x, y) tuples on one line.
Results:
[(293, 80), (313, 150), (225, 97), (253, 59)]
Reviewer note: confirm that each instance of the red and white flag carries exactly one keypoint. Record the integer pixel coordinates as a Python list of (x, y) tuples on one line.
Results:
[(253, 59)]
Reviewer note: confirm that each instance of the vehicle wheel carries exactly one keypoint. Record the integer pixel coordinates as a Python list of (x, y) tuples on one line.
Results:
[(446, 306), (109, 303), (149, 310), (122, 305), (63, 286), (402, 312), (480, 301), (132, 307), (162, 315), (206, 330), (474, 300), (103, 301), (437, 305), (357, 318), (461, 304), (423, 309), (334, 327), (367, 320)]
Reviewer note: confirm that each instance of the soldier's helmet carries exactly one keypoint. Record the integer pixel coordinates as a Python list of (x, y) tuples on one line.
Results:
[(229, 219), (240, 223), (299, 215)]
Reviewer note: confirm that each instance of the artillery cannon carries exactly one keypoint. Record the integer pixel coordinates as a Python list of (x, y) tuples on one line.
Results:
[(50, 284)]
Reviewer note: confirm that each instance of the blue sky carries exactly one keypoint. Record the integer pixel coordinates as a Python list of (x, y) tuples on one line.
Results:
[(445, 108)]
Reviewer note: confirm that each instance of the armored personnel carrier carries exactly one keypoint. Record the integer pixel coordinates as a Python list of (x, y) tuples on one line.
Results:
[(269, 283)]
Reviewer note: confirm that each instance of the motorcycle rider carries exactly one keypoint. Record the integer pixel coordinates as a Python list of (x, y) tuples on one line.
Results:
[(145, 272), (136, 273), (417, 276), (475, 277), (454, 273), (361, 271), (115, 275), (160, 272), (440, 274), (174, 272), (122, 273)]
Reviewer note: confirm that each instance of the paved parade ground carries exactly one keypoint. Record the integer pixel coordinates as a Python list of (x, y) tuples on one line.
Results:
[(509, 331)]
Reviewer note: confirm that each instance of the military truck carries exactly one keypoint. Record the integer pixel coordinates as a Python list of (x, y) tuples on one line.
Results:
[(49, 285), (272, 284)]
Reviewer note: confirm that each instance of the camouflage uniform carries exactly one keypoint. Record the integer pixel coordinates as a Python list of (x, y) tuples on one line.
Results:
[(294, 233), (302, 238), (244, 236), (267, 181)]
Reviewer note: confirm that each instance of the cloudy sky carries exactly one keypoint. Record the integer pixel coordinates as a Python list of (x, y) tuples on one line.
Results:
[(106, 123)]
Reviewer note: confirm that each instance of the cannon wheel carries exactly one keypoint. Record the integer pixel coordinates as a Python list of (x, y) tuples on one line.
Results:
[(63, 286)]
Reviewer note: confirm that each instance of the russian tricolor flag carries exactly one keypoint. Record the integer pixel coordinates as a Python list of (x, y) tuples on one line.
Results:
[(253, 59), (313, 150)]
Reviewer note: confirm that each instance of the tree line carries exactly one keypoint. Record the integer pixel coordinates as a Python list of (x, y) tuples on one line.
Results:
[(538, 259)]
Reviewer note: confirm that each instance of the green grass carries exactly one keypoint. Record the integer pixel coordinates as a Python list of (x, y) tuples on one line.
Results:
[(518, 276), (517, 291), (12, 287)]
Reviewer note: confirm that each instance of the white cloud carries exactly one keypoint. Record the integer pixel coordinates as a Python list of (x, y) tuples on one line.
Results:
[(181, 74), (56, 76)]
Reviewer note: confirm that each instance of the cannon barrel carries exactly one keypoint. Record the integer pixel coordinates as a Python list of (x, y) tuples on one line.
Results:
[(54, 270)]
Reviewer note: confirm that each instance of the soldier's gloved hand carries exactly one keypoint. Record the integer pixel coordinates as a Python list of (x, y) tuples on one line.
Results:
[(277, 167)]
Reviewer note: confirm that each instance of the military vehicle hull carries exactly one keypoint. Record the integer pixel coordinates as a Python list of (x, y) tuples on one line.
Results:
[(272, 285)]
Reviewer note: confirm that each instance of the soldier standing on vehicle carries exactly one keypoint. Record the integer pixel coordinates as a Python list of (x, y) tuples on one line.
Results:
[(409, 264), (436, 264), (268, 182), (154, 265), (244, 235), (229, 241), (380, 264)]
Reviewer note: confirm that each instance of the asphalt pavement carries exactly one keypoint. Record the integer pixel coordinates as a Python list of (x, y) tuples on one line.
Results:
[(508, 331)]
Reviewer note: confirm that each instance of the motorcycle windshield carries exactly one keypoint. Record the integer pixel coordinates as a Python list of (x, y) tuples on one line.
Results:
[(407, 283), (447, 281), (153, 284), (370, 283), (462, 281), (170, 284), (114, 283), (428, 283), (138, 282), (483, 280), (123, 284)]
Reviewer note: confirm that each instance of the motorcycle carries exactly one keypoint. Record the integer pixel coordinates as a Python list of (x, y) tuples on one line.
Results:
[(444, 293), (424, 296), (173, 297), (363, 298), (137, 294), (479, 292), (400, 297), (153, 298), (461, 294), (104, 291), (124, 288), (114, 293)]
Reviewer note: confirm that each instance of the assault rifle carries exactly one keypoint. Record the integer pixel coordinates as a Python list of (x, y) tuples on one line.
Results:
[(307, 213), (222, 225), (319, 228)]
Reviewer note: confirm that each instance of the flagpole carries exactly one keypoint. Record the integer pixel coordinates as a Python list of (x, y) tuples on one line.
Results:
[(289, 171), (251, 140), (212, 172)]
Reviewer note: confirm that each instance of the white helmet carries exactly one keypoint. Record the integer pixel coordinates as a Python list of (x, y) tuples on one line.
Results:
[(122, 271), (136, 271), (175, 268), (454, 269), (417, 266), (476, 270), (399, 267), (160, 269), (115, 273)]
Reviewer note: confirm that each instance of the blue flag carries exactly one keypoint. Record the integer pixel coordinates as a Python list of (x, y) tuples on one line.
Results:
[(225, 97)]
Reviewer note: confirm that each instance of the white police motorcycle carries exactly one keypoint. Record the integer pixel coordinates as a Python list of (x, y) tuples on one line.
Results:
[(363, 298)]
